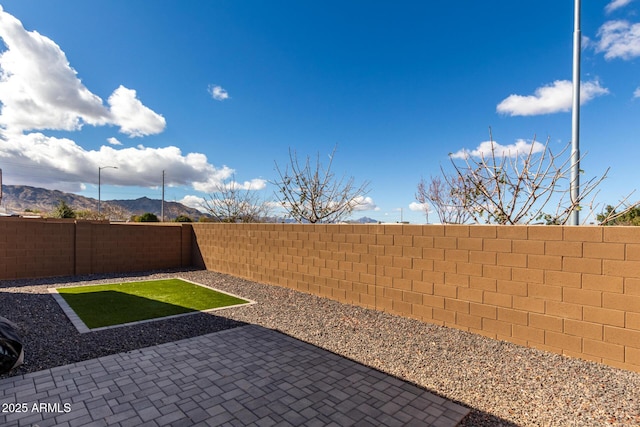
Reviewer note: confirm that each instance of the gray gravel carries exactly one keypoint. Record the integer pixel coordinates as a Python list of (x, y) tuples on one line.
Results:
[(503, 383)]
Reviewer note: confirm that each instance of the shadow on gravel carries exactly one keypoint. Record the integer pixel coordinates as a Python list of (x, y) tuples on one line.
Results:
[(483, 419), (50, 339)]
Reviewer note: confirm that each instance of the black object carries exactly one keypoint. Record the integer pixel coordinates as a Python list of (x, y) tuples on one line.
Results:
[(11, 351)]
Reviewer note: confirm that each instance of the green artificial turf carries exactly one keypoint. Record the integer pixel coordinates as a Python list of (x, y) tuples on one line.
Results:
[(114, 304)]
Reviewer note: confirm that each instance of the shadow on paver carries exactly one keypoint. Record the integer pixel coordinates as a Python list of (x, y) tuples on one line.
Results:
[(476, 417), (247, 375), (50, 339)]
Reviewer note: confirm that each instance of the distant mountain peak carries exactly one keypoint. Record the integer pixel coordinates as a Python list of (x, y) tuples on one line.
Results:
[(23, 198)]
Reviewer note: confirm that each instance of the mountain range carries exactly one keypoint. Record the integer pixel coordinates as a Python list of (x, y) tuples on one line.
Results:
[(20, 199)]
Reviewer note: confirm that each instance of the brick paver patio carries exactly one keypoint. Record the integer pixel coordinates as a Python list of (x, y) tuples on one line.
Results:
[(246, 376)]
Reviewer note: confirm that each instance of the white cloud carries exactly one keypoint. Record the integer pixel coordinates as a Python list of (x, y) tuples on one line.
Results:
[(255, 184), (512, 150), (218, 93), (553, 98), (193, 202), (40, 160), (615, 5), (40, 90), (134, 118), (216, 183), (636, 93), (419, 207), (619, 39), (219, 185), (38, 87), (586, 43), (218, 180), (365, 204)]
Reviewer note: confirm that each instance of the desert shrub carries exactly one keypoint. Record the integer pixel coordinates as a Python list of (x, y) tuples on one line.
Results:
[(63, 211), (146, 217)]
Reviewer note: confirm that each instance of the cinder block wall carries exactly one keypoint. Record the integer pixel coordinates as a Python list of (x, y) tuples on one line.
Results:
[(131, 247), (569, 290), (35, 248), (43, 248)]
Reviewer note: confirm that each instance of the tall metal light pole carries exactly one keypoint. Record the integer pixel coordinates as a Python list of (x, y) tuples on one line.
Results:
[(575, 125), (100, 183), (162, 205)]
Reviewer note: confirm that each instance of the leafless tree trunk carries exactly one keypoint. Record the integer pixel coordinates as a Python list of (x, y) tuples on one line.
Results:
[(312, 193)]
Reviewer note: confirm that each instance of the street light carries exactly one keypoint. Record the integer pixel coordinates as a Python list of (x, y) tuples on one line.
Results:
[(99, 183), (575, 119)]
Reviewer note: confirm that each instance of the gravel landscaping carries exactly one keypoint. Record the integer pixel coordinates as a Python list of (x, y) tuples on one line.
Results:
[(503, 383)]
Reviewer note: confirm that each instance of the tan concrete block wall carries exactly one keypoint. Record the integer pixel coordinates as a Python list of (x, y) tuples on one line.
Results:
[(135, 247), (43, 248), (570, 290), (35, 248)]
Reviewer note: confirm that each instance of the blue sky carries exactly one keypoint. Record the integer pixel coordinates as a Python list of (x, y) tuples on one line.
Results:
[(211, 91)]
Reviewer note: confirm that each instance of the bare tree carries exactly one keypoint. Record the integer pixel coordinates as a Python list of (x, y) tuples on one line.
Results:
[(232, 202), (516, 188), (448, 202), (623, 213), (311, 193)]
